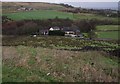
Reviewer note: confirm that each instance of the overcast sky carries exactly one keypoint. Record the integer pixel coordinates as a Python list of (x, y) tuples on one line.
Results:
[(60, 1)]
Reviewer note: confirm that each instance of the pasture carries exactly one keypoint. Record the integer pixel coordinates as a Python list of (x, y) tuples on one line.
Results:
[(109, 35), (107, 27), (50, 14), (42, 14), (108, 31)]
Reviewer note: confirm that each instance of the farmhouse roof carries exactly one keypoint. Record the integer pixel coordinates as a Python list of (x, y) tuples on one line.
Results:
[(71, 29), (54, 28)]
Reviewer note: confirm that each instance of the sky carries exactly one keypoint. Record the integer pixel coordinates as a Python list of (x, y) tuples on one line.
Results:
[(60, 1)]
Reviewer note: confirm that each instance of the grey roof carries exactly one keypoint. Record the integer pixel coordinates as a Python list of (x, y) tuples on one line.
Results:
[(71, 29), (55, 27)]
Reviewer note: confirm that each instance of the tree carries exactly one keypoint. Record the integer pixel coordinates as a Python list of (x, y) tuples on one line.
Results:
[(92, 34), (85, 25)]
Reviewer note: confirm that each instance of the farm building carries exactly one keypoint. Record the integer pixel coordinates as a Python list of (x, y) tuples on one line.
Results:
[(56, 31), (71, 31), (64, 31), (25, 9), (44, 32), (54, 28)]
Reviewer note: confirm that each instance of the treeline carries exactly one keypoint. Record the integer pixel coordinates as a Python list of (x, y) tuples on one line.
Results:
[(103, 12), (5, 19), (27, 27), (66, 5)]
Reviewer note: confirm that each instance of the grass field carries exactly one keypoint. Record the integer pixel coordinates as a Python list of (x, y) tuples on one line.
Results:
[(29, 64), (43, 14), (108, 34), (93, 16), (107, 27), (108, 31), (50, 14)]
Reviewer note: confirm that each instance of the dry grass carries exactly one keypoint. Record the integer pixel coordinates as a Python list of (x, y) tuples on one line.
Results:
[(48, 65), (9, 7)]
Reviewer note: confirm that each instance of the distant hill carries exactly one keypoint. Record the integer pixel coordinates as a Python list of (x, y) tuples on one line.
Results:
[(8, 7)]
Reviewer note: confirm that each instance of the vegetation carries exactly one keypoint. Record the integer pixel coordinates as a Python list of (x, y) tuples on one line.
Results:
[(29, 64), (50, 14), (56, 33), (31, 57), (5, 19), (107, 27), (65, 43), (108, 31), (42, 14), (28, 27), (108, 34), (22, 27), (12, 7)]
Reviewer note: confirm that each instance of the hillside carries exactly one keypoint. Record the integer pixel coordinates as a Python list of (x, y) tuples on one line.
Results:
[(9, 7), (54, 59), (51, 14), (29, 64)]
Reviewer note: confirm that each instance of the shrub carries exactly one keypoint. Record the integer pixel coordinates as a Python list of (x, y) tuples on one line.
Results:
[(57, 33)]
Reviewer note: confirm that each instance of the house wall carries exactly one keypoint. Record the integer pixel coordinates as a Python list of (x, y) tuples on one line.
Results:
[(69, 33)]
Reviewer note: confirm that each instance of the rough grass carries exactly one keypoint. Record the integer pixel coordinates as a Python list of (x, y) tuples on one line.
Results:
[(57, 42), (29, 64), (9, 7)]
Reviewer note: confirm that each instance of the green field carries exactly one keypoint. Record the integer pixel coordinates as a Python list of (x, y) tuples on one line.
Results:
[(108, 34), (50, 14), (43, 14), (93, 16), (107, 27), (107, 31)]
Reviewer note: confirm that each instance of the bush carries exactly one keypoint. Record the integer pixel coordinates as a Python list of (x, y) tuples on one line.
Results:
[(92, 35), (85, 25), (56, 33)]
